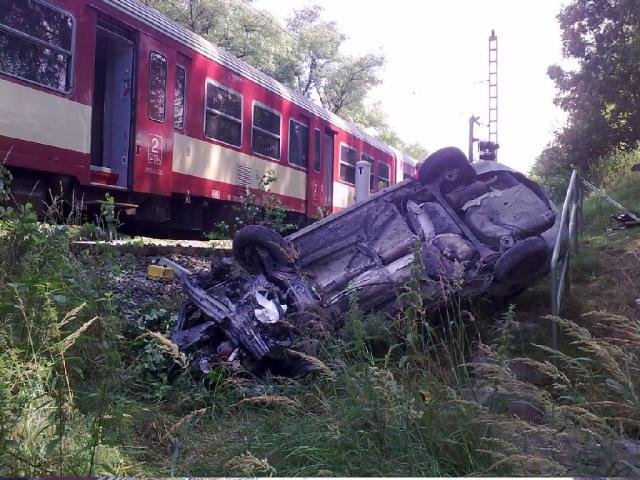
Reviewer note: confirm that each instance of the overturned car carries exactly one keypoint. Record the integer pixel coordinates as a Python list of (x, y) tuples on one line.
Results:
[(472, 229)]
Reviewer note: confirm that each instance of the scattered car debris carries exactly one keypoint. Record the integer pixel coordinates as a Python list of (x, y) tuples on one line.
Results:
[(472, 229), (160, 273), (626, 221), (625, 218)]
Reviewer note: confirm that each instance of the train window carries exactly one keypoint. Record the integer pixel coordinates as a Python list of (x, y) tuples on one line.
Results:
[(316, 150), (347, 164), (179, 101), (265, 135), (223, 115), (36, 43), (383, 174), (298, 144), (369, 159), (157, 86)]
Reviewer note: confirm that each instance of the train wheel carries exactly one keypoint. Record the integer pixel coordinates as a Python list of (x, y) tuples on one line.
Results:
[(449, 166), (250, 243)]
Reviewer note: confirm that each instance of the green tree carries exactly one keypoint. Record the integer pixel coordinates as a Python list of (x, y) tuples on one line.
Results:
[(348, 81), (602, 93), (373, 119), (305, 54), (235, 26), (316, 45)]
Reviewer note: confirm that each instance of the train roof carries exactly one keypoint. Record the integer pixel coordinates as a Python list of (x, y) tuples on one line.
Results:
[(404, 157), (181, 34)]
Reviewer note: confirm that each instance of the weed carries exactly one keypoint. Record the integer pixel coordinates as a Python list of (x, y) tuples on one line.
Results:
[(221, 231), (584, 267), (355, 331), (57, 210), (5, 183), (610, 169), (42, 370), (109, 219), (504, 344), (90, 384), (55, 355), (246, 464), (19, 233), (258, 207)]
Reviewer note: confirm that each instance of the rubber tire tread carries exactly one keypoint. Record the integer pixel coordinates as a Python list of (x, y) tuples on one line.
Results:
[(516, 255), (448, 158), (264, 237)]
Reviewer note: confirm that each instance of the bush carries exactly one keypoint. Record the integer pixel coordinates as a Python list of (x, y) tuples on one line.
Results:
[(614, 167), (56, 353), (259, 207)]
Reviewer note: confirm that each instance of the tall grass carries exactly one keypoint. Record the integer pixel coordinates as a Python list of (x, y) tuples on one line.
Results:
[(365, 421), (598, 211), (610, 170), (56, 331), (90, 385)]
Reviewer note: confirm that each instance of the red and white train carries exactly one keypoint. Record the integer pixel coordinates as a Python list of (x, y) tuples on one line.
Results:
[(109, 95)]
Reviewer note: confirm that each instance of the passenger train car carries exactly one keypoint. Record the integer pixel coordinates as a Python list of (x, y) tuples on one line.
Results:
[(111, 96)]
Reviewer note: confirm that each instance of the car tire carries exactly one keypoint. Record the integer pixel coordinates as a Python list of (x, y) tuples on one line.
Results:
[(523, 261), (449, 165), (248, 239)]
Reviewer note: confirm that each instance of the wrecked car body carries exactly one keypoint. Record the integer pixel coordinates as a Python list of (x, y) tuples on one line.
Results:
[(465, 229)]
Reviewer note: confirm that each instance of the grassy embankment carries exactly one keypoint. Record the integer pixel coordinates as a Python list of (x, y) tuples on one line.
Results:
[(85, 389)]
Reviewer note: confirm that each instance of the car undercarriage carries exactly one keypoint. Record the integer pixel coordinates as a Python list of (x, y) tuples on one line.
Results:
[(471, 230)]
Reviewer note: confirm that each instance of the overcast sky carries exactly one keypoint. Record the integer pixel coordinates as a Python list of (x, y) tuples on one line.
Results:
[(436, 71)]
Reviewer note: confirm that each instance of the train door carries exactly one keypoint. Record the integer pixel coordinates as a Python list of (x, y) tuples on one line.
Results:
[(315, 201), (112, 107), (152, 169), (328, 155)]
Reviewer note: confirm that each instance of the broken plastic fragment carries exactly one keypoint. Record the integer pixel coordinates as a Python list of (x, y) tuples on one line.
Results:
[(234, 355), (269, 313), (205, 365), (475, 202)]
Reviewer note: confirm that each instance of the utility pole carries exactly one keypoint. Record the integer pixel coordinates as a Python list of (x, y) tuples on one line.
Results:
[(473, 120), (493, 88)]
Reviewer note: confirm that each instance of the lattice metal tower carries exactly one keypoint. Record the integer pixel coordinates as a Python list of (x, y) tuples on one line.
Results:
[(493, 88)]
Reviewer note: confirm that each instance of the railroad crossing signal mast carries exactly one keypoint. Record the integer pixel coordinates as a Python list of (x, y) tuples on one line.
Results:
[(493, 98), (488, 148)]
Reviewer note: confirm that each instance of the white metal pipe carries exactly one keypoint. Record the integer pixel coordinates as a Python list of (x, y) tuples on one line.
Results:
[(363, 172), (556, 249), (569, 210)]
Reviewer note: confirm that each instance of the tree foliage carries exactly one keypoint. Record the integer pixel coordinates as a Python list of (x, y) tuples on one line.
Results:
[(373, 119), (316, 46), (304, 54), (602, 93), (234, 26)]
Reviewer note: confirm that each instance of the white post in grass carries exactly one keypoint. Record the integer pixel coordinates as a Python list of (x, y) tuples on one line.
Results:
[(363, 172)]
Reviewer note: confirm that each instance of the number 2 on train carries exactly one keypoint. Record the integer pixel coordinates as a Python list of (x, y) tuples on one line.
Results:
[(155, 149)]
